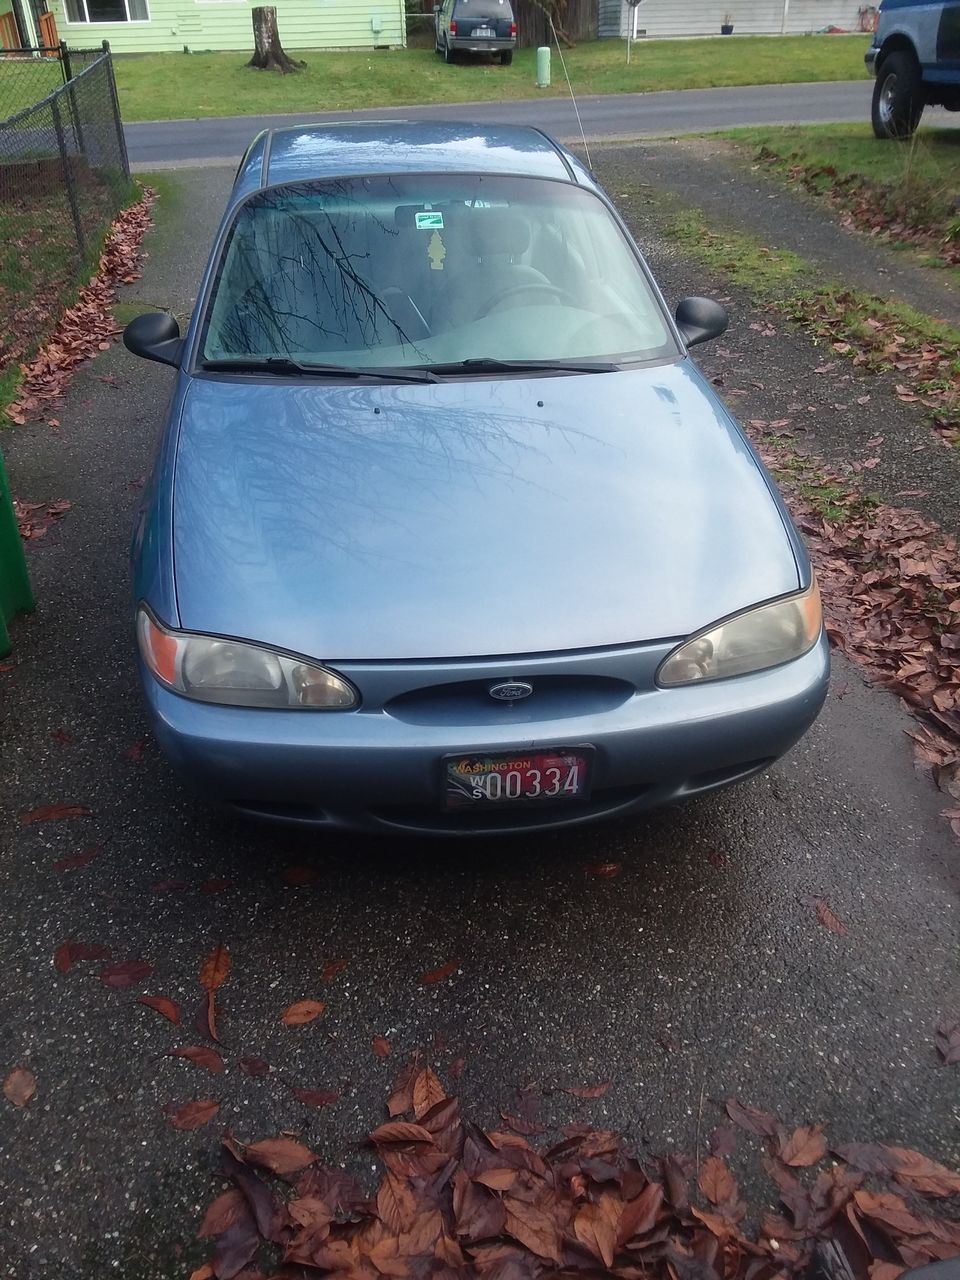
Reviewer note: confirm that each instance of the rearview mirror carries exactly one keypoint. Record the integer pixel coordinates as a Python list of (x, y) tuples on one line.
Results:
[(700, 319), (155, 336)]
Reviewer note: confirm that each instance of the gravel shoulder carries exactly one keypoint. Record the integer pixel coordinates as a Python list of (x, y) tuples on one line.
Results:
[(713, 174)]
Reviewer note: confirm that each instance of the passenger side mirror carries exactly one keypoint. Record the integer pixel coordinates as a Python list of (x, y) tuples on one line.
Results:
[(155, 336), (700, 319)]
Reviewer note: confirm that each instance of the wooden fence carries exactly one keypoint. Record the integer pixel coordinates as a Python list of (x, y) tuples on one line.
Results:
[(578, 20)]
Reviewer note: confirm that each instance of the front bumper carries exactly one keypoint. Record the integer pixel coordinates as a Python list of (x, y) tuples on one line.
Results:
[(379, 768), (870, 58)]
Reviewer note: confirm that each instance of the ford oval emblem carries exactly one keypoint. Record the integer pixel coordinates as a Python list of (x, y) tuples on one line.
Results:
[(510, 690)]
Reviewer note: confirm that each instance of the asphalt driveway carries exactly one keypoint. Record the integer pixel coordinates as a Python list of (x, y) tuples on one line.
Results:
[(695, 973)]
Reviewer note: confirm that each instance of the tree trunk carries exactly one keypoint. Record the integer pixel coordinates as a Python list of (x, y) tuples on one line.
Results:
[(268, 52)]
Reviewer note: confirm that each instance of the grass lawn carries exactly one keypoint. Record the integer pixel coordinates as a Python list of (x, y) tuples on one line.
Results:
[(169, 86), (906, 191)]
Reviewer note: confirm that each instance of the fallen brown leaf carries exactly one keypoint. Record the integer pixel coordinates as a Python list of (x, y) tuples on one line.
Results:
[(81, 859), (825, 915), (200, 1055), (280, 1155), (222, 1213), (427, 1092), (382, 1048), (759, 1122), (402, 1132), (194, 1115), (53, 813), (301, 1012), (166, 1007), (440, 975), (68, 953), (19, 1086), (255, 1067), (716, 1181), (128, 973), (947, 1040), (215, 886), (315, 1097), (804, 1147), (588, 1090), (215, 968)]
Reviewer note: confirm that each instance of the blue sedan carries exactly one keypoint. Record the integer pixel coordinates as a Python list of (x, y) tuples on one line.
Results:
[(447, 532)]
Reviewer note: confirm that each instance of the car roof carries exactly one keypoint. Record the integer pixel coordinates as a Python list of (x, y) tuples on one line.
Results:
[(299, 153)]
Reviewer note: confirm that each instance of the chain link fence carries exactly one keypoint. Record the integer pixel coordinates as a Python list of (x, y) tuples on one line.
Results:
[(63, 177), (26, 76)]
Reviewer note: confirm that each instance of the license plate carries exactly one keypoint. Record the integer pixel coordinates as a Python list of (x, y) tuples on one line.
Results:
[(484, 33), (540, 777)]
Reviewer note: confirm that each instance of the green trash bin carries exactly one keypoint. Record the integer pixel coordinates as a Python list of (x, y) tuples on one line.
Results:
[(15, 593)]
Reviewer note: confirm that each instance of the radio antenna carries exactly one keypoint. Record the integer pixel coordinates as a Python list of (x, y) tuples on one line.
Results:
[(573, 96)]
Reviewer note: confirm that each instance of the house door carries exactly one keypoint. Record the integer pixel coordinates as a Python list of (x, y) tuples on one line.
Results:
[(9, 35), (44, 23), (49, 36)]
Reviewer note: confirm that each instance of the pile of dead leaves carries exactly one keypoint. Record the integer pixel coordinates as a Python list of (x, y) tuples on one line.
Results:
[(35, 519), (926, 365), (88, 326), (455, 1201), (890, 581), (909, 211)]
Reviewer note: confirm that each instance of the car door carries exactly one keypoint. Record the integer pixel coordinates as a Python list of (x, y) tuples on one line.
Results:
[(948, 42)]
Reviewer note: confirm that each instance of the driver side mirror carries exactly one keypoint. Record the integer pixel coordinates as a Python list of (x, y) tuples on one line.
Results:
[(155, 336), (700, 320)]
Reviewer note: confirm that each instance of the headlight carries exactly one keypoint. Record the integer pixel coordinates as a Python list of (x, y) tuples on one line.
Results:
[(753, 641), (237, 674)]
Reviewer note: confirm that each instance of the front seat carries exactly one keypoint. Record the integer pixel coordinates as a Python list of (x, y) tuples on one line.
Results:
[(494, 242)]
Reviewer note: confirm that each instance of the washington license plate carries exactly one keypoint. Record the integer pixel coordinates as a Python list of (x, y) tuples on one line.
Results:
[(543, 777), (484, 33)]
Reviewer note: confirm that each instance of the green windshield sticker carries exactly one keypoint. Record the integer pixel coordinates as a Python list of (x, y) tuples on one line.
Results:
[(429, 221)]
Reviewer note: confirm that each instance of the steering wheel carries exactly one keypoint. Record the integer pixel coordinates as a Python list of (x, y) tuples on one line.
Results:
[(498, 299)]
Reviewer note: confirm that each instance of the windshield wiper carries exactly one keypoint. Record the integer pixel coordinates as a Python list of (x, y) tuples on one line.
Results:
[(487, 364), (284, 365)]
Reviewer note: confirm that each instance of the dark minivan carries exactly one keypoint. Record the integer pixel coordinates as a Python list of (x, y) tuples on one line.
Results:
[(476, 26)]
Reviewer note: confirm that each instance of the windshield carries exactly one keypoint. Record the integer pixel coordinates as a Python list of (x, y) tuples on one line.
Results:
[(431, 269)]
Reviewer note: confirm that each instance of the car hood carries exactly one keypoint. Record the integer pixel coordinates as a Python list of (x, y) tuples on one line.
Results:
[(469, 518)]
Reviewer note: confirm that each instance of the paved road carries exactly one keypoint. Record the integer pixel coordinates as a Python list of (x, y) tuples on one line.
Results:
[(694, 974), (627, 115)]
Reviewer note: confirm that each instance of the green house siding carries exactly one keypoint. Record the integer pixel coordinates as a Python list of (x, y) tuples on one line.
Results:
[(219, 24)]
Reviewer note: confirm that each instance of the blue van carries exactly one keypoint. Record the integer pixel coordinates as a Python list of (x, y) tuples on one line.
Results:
[(915, 57)]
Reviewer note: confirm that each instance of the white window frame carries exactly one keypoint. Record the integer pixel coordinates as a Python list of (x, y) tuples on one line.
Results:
[(106, 22)]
